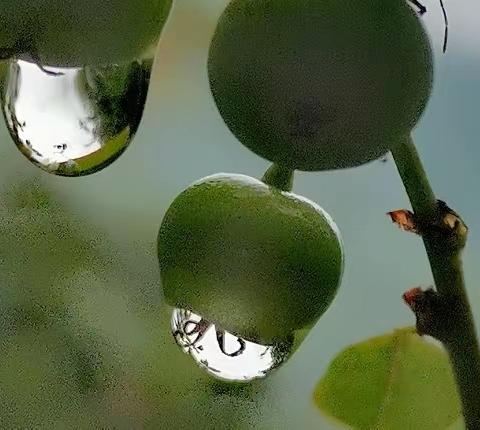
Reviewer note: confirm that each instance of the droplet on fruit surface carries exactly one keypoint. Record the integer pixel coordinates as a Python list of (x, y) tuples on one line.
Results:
[(222, 354), (73, 121)]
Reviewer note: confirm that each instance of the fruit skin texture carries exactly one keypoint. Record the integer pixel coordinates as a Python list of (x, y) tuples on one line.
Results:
[(71, 33), (320, 84), (258, 262)]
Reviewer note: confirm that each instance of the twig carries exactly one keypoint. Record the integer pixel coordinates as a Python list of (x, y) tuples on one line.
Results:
[(448, 317)]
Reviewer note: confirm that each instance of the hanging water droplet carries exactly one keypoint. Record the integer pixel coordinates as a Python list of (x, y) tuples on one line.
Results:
[(74, 121), (225, 355)]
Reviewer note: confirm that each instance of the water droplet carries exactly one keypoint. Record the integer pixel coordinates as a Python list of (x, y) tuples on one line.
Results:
[(225, 355), (74, 121)]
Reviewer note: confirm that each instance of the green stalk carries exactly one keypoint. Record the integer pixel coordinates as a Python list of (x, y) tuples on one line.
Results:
[(279, 177), (458, 332)]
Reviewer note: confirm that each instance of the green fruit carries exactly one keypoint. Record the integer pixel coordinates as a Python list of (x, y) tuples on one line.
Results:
[(72, 33), (9, 31), (252, 259), (320, 84)]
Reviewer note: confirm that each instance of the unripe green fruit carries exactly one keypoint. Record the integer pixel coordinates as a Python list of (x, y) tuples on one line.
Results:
[(251, 259), (72, 33), (320, 84), (9, 30)]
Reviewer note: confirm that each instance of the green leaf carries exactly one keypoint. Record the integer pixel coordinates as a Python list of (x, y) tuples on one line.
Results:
[(396, 381)]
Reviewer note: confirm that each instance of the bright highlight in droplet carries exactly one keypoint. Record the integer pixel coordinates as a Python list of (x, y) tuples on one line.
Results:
[(74, 121), (222, 354)]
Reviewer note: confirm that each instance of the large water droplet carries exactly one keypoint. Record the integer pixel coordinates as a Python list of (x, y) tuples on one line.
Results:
[(74, 121), (222, 354)]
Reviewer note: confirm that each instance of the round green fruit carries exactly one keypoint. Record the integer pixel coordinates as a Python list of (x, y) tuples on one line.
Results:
[(9, 31), (73, 33), (320, 84), (252, 259)]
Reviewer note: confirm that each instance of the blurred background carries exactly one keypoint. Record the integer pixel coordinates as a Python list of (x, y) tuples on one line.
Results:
[(84, 337)]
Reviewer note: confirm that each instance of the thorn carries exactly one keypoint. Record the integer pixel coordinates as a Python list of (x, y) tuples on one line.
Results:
[(405, 220), (411, 297), (450, 225), (446, 224), (432, 312)]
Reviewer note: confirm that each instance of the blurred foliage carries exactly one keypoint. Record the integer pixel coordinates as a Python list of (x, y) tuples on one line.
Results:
[(85, 339), (396, 381)]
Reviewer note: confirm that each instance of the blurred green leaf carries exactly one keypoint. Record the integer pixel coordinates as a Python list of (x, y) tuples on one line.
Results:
[(396, 381), (85, 341)]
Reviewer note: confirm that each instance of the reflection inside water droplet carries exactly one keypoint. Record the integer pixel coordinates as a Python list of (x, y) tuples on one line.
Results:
[(75, 121), (222, 354)]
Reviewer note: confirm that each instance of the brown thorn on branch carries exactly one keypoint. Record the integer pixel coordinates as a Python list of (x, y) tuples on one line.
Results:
[(446, 224), (434, 313), (405, 220), (450, 221)]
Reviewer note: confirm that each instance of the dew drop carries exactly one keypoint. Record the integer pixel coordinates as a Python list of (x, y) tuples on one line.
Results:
[(222, 354), (74, 121)]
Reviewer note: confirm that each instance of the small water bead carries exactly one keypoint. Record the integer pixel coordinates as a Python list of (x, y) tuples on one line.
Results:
[(224, 355), (74, 121)]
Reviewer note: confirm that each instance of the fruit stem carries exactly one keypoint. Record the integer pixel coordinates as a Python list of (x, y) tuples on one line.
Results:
[(459, 337), (279, 177)]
